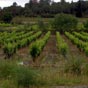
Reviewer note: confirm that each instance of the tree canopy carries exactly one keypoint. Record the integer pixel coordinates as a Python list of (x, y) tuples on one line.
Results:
[(47, 8)]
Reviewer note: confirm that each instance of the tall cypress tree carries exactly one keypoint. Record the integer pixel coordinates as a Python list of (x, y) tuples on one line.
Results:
[(63, 1), (79, 9), (30, 3)]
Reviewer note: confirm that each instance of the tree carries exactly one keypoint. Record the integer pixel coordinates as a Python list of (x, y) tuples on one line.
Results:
[(47, 8), (30, 4), (14, 4), (79, 9), (7, 17), (64, 22), (63, 1)]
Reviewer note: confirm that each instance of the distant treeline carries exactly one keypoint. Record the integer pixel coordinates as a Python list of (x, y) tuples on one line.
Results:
[(46, 8)]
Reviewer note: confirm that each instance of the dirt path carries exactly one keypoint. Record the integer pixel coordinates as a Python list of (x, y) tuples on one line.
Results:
[(23, 52), (73, 50), (49, 54)]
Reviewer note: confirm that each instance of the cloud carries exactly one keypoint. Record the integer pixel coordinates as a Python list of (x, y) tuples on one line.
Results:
[(5, 3)]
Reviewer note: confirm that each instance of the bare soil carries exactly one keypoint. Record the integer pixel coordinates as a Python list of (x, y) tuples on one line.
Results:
[(50, 56)]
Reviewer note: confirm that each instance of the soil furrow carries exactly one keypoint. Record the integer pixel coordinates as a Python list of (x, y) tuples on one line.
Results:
[(49, 54)]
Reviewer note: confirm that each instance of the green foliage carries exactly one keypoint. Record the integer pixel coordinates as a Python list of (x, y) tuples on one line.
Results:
[(13, 41), (35, 50), (16, 20), (86, 24), (9, 49), (41, 24), (62, 46), (36, 47), (7, 17), (74, 66), (80, 36), (86, 50), (15, 75), (80, 27), (85, 69), (46, 9), (24, 76), (83, 46), (5, 25), (8, 84), (6, 69), (64, 22)]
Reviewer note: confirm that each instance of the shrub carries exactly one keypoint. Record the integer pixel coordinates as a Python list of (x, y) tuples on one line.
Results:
[(41, 24), (62, 46), (5, 25), (8, 84), (24, 76), (7, 17), (85, 69), (9, 49), (34, 50), (74, 66), (5, 69), (64, 22), (36, 47), (86, 50), (86, 24), (79, 43), (80, 27), (16, 74)]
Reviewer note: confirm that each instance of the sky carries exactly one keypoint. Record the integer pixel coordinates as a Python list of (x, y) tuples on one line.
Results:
[(5, 3)]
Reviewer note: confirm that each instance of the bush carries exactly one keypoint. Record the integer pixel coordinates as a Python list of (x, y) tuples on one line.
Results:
[(17, 20), (15, 74), (61, 44), (86, 24), (63, 48), (80, 27), (41, 24), (38, 45), (7, 17), (9, 49), (34, 50), (5, 69), (64, 22), (74, 66), (5, 25), (86, 50), (24, 76), (85, 69), (8, 84)]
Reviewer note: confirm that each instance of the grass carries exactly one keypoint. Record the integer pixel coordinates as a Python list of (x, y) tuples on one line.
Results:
[(32, 20), (12, 75)]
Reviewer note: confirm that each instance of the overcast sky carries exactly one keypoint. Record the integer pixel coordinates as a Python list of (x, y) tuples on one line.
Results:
[(5, 3)]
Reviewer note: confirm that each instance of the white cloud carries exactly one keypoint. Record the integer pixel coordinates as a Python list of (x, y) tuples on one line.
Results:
[(5, 3)]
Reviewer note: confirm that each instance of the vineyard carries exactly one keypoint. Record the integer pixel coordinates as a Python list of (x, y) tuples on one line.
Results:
[(44, 44), (34, 44), (46, 53)]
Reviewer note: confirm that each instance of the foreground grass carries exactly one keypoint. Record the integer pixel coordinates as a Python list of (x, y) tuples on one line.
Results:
[(13, 75)]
